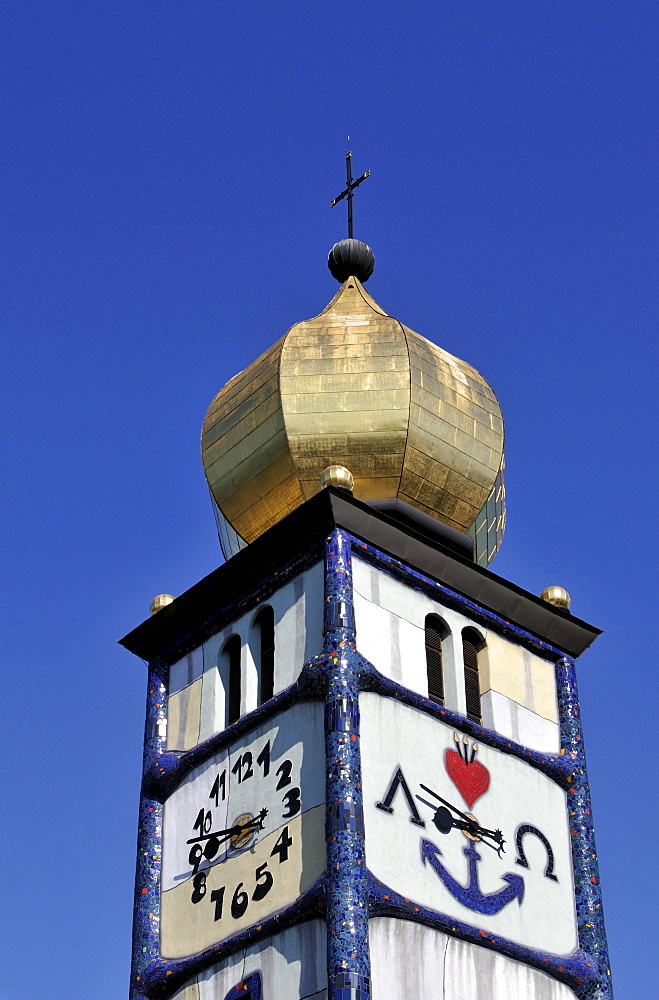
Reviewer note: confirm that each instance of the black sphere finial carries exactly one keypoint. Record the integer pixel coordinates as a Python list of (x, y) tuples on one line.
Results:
[(351, 258)]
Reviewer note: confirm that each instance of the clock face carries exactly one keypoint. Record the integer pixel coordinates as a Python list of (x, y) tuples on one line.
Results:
[(465, 830), (243, 835)]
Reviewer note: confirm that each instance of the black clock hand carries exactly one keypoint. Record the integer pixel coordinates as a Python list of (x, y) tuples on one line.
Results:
[(445, 822), (467, 825), (255, 823), (442, 818), (446, 803), (495, 835)]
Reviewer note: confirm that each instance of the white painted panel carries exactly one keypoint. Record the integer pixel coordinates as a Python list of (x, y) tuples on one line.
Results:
[(279, 767), (509, 719), (413, 672), (186, 670), (295, 735), (183, 709), (259, 881), (373, 634), (292, 965), (390, 619), (474, 973), (298, 608), (188, 992), (383, 590), (409, 960), (180, 812), (518, 794), (386, 608), (314, 605), (298, 615), (249, 688), (213, 705)]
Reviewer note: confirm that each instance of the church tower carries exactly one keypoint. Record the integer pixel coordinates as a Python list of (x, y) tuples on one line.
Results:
[(364, 773)]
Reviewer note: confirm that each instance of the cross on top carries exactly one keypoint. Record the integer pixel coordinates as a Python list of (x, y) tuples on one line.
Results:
[(350, 187)]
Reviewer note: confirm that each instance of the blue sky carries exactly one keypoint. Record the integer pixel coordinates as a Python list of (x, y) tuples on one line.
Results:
[(166, 173)]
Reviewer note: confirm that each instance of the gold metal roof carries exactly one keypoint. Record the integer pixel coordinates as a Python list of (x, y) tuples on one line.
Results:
[(352, 387)]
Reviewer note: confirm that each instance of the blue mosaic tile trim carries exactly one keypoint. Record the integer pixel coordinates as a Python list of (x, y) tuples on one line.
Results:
[(405, 574), (346, 816), (588, 893), (229, 611), (346, 893), (161, 979), (146, 909), (343, 716), (339, 614), (338, 591), (349, 986), (578, 971), (251, 988), (555, 766)]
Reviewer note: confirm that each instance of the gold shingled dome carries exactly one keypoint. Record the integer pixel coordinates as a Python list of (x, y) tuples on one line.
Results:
[(352, 387)]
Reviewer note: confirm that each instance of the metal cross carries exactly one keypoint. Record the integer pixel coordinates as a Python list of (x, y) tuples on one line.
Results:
[(350, 187)]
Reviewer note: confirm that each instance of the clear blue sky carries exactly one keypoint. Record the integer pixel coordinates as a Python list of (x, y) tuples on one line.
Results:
[(166, 173)]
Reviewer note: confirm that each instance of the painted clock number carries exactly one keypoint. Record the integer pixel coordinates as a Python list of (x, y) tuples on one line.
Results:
[(217, 897), (244, 762), (282, 845), (292, 802), (195, 856), (244, 766), (219, 785), (203, 822), (263, 759), (240, 900), (264, 882), (198, 887), (285, 771)]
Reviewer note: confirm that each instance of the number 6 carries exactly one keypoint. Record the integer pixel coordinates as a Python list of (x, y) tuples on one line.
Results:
[(239, 902)]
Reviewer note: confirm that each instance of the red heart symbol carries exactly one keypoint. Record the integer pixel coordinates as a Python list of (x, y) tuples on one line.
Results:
[(471, 780)]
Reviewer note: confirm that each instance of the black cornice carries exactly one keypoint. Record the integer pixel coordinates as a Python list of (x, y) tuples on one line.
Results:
[(296, 539)]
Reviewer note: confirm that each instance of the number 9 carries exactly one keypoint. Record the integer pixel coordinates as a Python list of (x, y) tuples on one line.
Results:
[(195, 856)]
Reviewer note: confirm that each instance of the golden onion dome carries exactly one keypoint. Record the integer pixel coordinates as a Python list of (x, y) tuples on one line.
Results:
[(353, 387)]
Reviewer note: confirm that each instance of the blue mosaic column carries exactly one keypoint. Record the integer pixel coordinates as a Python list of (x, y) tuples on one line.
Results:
[(588, 893), (348, 965), (146, 910)]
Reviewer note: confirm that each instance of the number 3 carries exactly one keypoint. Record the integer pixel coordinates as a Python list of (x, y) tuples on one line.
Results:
[(292, 802)]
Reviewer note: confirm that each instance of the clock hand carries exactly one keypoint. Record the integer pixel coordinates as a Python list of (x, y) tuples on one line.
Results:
[(442, 818), (468, 825), (446, 803), (496, 836), (255, 823)]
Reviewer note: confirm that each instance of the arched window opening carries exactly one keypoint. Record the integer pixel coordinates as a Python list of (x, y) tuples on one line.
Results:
[(232, 652), (471, 644), (436, 631), (265, 624)]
